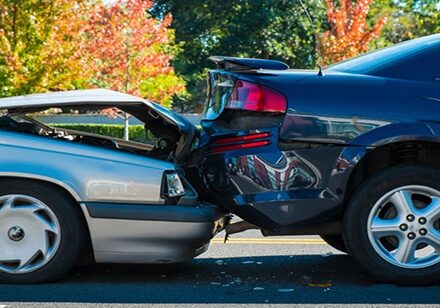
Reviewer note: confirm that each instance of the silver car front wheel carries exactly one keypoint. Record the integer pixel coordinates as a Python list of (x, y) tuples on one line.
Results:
[(42, 232), (29, 234)]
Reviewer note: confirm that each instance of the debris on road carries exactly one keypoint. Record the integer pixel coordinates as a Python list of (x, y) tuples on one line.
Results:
[(320, 285), (286, 290), (236, 280)]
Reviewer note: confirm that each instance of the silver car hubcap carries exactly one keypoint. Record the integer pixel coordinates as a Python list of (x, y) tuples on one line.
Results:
[(29, 234), (403, 226)]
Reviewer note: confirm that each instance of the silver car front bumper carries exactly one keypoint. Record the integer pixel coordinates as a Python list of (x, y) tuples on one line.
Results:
[(139, 233)]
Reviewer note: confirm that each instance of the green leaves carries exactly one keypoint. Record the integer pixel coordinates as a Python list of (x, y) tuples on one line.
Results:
[(128, 50), (276, 29), (68, 44), (280, 29), (63, 44), (411, 19)]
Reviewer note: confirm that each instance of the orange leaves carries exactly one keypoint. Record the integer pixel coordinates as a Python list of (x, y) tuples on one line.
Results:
[(125, 47), (349, 33), (68, 44), (62, 57), (26, 53)]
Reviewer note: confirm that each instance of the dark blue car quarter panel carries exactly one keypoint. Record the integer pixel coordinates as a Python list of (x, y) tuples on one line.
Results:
[(337, 108), (285, 189), (279, 190)]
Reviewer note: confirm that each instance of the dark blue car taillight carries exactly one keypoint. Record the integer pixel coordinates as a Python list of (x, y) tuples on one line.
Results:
[(247, 141), (254, 97)]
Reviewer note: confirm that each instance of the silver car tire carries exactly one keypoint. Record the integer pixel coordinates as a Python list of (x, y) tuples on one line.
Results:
[(392, 225), (41, 232)]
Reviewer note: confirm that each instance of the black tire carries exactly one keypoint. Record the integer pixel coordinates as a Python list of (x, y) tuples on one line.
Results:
[(336, 241), (355, 224), (71, 223)]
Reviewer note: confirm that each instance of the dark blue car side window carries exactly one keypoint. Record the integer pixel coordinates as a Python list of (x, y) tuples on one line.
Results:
[(424, 66), (406, 58)]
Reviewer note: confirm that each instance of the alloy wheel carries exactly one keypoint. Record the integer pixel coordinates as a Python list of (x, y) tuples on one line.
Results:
[(404, 227)]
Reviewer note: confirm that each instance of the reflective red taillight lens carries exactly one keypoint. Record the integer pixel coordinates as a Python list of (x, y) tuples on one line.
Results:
[(225, 144), (244, 138), (234, 147), (253, 97)]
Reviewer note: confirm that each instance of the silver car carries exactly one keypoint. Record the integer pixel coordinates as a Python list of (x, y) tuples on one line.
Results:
[(67, 195)]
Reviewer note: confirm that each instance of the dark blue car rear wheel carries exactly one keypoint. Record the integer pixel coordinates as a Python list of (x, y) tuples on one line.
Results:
[(392, 225)]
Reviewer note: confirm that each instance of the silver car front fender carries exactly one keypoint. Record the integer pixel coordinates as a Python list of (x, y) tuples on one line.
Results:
[(89, 173)]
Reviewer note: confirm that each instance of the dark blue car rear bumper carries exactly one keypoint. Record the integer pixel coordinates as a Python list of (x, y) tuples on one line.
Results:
[(281, 188)]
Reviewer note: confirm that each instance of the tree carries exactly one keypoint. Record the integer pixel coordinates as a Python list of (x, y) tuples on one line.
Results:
[(128, 50), (63, 55), (26, 29), (276, 29), (349, 33), (65, 44), (407, 19)]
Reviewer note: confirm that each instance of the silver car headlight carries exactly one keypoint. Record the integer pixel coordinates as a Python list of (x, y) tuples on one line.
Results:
[(174, 186)]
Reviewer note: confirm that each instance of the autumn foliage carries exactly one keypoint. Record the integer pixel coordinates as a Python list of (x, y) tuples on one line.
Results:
[(28, 52), (349, 33), (63, 56), (65, 44), (127, 49)]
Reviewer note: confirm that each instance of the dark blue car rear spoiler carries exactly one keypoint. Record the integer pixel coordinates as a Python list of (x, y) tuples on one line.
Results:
[(240, 64)]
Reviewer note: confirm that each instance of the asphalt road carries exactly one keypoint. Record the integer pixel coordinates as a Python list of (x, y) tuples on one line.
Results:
[(249, 269)]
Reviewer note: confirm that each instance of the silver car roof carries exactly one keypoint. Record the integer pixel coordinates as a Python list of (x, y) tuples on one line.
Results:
[(69, 97)]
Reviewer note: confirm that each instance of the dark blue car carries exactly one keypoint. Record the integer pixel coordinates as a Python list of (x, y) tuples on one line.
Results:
[(351, 153)]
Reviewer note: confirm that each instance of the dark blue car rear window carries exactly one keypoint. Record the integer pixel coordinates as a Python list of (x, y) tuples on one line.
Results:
[(377, 60)]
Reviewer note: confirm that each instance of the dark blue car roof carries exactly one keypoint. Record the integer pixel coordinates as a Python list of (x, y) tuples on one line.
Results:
[(370, 62)]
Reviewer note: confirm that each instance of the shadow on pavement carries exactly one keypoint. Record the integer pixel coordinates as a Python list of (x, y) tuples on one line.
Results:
[(277, 279)]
